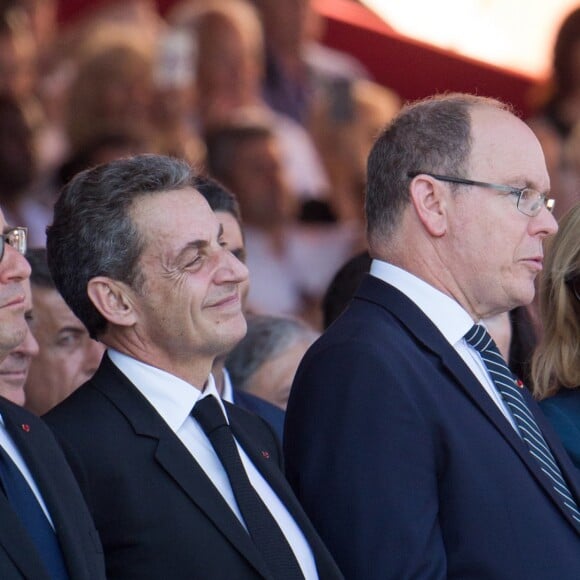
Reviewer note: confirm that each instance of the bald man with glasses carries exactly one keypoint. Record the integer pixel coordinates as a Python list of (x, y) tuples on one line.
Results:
[(447, 468), (46, 532)]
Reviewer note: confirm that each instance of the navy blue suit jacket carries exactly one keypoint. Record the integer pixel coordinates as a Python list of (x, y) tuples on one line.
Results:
[(406, 466), (79, 541), (273, 415)]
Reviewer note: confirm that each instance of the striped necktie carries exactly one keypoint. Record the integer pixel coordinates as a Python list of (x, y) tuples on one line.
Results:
[(506, 384)]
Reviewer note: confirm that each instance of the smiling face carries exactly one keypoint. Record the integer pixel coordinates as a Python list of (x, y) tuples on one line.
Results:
[(189, 308), (494, 251)]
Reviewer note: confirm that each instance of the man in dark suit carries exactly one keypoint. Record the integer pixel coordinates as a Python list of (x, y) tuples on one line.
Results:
[(140, 258), (46, 531), (401, 439)]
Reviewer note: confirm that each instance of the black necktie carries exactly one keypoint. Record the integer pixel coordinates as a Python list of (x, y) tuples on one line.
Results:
[(262, 527), (529, 430), (28, 510)]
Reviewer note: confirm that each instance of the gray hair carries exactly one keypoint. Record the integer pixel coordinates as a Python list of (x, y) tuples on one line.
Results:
[(93, 234), (267, 337), (433, 136)]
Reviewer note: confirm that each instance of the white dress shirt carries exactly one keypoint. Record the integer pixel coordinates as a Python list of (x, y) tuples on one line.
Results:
[(228, 394), (174, 399), (8, 445), (448, 316)]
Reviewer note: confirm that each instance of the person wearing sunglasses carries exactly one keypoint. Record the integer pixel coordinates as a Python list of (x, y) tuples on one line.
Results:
[(556, 362)]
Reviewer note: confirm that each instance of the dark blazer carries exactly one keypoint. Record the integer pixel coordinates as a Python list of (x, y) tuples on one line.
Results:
[(80, 544), (157, 513), (273, 415), (563, 412), (406, 466)]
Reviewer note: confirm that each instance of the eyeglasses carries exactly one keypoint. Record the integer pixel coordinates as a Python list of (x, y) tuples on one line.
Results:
[(530, 202), (574, 283), (15, 237)]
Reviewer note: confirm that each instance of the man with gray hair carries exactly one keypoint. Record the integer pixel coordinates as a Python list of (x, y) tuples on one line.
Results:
[(180, 484), (265, 361), (446, 466), (46, 532)]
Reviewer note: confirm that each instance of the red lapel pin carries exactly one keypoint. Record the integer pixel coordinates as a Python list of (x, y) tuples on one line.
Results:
[(520, 383), (25, 427), (265, 455)]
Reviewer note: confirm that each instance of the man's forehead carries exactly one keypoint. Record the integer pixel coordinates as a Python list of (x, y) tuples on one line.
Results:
[(504, 146), (183, 216), (177, 200)]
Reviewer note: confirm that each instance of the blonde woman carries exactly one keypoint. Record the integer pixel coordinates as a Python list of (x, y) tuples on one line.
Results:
[(556, 362)]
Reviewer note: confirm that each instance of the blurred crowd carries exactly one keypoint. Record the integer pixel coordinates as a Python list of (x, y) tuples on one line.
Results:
[(245, 91), (242, 89), (211, 214)]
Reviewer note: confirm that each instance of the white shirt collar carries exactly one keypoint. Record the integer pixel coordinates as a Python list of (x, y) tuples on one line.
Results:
[(228, 394), (172, 397), (447, 314)]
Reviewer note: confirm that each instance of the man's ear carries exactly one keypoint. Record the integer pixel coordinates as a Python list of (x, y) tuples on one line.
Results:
[(429, 198), (113, 299)]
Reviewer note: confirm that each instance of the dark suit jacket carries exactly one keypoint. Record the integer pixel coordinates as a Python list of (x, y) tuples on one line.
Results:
[(78, 537), (157, 513), (406, 466), (273, 415), (563, 412)]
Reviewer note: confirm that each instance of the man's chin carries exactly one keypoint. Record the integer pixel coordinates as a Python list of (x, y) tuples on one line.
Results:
[(236, 330)]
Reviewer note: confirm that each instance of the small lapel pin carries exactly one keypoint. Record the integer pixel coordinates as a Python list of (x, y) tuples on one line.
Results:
[(25, 427), (520, 383), (265, 455)]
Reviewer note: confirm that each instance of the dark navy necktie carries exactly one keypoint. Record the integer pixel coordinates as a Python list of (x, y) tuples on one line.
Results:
[(262, 527), (506, 384), (34, 520)]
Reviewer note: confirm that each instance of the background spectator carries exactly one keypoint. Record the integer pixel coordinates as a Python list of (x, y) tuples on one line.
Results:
[(229, 73), (18, 169), (291, 262), (265, 361), (67, 357), (557, 123)]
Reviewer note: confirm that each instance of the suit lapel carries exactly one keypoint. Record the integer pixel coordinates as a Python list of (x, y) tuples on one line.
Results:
[(18, 545), (13, 535), (263, 460), (266, 465), (426, 333), (175, 459)]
